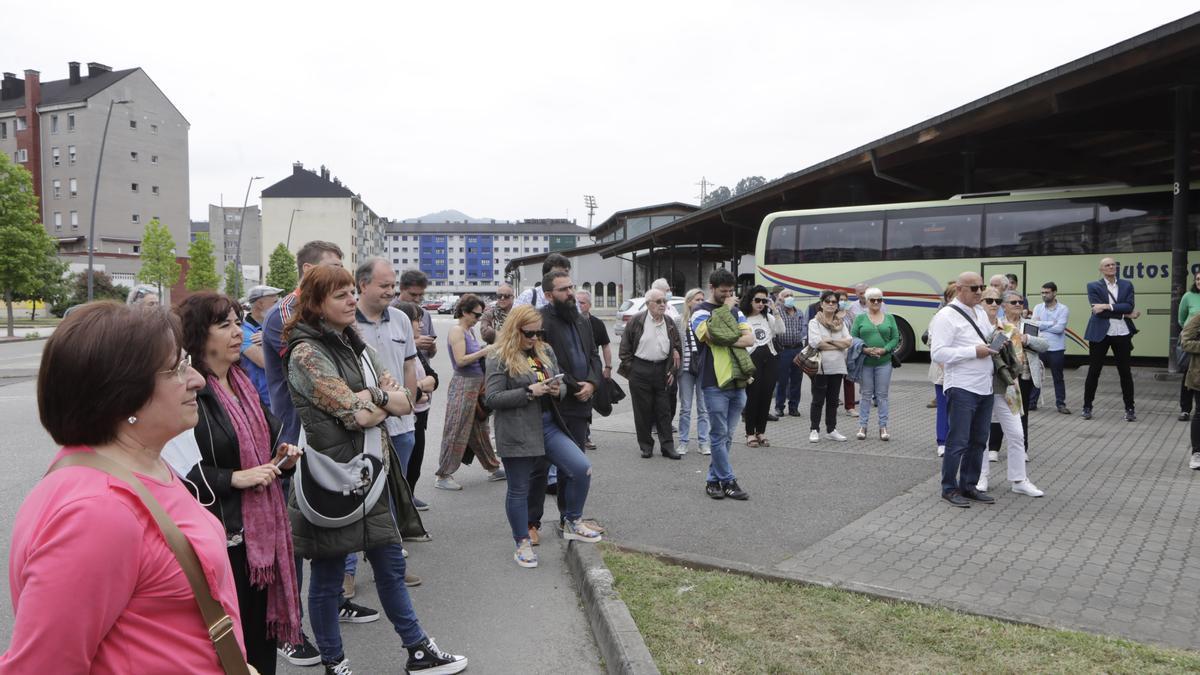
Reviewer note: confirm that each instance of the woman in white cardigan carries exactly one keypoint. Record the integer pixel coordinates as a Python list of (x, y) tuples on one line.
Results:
[(828, 333)]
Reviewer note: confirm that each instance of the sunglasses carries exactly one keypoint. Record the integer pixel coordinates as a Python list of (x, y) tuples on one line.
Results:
[(760, 301), (991, 301), (181, 368), (658, 302), (874, 300), (504, 296), (1016, 302), (534, 334), (976, 289), (477, 315), (829, 302)]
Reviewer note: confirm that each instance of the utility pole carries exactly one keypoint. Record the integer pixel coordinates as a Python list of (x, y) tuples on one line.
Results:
[(703, 188), (590, 202)]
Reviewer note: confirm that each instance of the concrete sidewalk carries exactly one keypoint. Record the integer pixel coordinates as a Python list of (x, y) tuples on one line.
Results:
[(1105, 550)]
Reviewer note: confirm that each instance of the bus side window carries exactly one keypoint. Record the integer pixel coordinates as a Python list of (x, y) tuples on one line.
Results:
[(1057, 227), (946, 232), (849, 237)]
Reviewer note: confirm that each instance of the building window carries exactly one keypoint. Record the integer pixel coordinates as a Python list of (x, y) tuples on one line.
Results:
[(133, 187), (154, 128), (70, 121), (56, 156), (135, 219), (73, 185), (3, 130), (20, 124), (74, 220), (154, 190), (71, 154), (133, 124), (154, 159), (22, 155), (133, 156), (137, 248), (54, 124), (57, 185), (58, 220)]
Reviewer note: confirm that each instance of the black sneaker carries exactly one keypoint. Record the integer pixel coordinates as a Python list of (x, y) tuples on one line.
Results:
[(1086, 414), (956, 499), (795, 413), (1064, 410), (426, 657), (772, 418), (342, 667), (352, 613), (1129, 416), (303, 653), (713, 489), (981, 497), (420, 505), (734, 491)]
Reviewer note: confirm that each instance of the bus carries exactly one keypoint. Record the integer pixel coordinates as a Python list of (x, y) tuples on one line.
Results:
[(911, 251)]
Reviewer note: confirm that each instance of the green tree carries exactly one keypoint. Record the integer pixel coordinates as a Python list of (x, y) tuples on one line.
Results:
[(233, 281), (716, 196), (747, 184), (52, 285), (24, 244), (281, 272), (159, 266), (202, 269)]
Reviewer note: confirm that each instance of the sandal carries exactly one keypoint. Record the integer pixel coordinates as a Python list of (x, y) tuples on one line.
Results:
[(763, 442), (751, 442)]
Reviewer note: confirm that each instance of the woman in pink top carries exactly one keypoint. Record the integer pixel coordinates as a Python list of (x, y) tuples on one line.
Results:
[(95, 588)]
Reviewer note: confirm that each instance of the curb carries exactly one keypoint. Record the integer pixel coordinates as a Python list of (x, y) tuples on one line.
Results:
[(621, 645)]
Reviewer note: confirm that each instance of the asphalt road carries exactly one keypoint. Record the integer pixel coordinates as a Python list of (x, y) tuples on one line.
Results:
[(474, 599)]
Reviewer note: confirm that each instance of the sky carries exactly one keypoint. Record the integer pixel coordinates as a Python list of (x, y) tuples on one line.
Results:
[(517, 109)]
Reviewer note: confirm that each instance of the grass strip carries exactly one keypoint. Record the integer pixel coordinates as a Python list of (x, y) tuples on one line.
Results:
[(711, 622)]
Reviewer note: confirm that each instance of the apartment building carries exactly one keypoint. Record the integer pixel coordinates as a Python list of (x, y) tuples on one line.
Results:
[(55, 129), (224, 223)]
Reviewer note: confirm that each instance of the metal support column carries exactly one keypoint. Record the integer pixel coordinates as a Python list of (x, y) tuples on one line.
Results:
[(1180, 272), (673, 289), (700, 267), (734, 263), (968, 169), (634, 292)]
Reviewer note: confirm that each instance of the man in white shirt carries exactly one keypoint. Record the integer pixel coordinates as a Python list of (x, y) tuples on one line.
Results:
[(1110, 326), (957, 341), (650, 349)]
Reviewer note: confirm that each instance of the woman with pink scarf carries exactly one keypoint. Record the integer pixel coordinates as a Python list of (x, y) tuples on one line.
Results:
[(237, 477)]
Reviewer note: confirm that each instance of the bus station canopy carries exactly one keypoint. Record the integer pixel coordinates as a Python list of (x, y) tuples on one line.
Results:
[(1108, 117)]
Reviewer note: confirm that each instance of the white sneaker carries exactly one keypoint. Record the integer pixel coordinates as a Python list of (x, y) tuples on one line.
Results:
[(1195, 463), (993, 455), (705, 449), (982, 485), (941, 450), (1027, 488), (834, 435), (447, 483), (814, 436)]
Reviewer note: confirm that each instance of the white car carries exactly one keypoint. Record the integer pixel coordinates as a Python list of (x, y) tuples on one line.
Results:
[(629, 308)]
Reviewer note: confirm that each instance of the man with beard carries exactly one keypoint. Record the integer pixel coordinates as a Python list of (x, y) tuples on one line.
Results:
[(569, 334), (493, 317)]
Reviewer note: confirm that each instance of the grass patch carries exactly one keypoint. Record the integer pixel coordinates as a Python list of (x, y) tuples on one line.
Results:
[(711, 622)]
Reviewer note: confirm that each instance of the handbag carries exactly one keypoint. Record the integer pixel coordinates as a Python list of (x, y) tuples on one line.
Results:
[(809, 360), (220, 625)]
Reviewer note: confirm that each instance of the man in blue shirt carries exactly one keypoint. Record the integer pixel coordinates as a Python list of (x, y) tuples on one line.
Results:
[(261, 299), (1051, 317)]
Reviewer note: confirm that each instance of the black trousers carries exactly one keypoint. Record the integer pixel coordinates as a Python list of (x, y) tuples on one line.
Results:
[(996, 437), (1195, 423), (418, 454), (825, 390), (577, 428), (651, 403), (1185, 396), (1122, 349), (760, 391), (252, 605)]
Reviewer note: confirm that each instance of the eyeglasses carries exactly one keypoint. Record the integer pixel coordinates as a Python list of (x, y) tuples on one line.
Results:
[(660, 301), (991, 301), (564, 288), (181, 368), (477, 315), (760, 301), (976, 289), (503, 296), (534, 334), (1016, 302), (874, 300)]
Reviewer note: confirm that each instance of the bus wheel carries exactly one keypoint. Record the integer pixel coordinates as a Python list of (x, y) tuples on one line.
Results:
[(908, 342)]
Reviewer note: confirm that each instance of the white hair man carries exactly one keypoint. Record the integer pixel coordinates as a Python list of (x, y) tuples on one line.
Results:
[(650, 353), (663, 286)]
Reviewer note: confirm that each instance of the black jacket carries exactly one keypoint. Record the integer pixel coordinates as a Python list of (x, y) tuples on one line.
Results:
[(220, 456), (558, 332)]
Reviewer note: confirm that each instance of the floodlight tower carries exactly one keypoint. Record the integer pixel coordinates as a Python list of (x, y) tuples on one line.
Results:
[(590, 202)]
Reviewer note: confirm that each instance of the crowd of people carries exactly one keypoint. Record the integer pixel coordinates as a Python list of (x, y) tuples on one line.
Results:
[(263, 432)]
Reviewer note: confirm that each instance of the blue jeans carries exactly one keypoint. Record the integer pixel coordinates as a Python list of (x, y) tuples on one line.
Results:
[(724, 411), (522, 504), (689, 389), (404, 444), (943, 420), (787, 387), (1054, 361), (970, 423), (875, 382), (325, 598)]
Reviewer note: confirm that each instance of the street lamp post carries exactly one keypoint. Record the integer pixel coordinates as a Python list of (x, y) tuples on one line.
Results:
[(95, 194), (291, 220), (237, 259)]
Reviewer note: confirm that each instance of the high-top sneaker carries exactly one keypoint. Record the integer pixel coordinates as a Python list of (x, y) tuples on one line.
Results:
[(340, 668), (425, 657)]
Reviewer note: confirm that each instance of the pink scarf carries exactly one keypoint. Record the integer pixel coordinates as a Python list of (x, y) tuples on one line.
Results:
[(267, 531)]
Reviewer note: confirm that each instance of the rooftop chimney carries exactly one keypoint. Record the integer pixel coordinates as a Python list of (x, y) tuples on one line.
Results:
[(97, 69), (297, 167), (74, 68), (11, 87), (324, 172)]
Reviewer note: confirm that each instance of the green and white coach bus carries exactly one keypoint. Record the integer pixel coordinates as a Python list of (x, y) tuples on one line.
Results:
[(911, 250)]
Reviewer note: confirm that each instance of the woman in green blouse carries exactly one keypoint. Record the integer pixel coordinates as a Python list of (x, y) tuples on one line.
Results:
[(877, 329), (1189, 306)]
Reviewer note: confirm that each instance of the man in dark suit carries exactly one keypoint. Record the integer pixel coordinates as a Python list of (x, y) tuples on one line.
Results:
[(650, 356), (1110, 325)]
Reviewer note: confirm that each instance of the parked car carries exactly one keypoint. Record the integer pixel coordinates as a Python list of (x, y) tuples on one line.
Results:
[(629, 308), (448, 303), (431, 305)]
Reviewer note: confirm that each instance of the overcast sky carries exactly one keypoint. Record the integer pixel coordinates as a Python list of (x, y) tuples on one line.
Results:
[(517, 109)]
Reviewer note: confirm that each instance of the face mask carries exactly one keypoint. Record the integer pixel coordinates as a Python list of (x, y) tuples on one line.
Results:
[(790, 303), (845, 304)]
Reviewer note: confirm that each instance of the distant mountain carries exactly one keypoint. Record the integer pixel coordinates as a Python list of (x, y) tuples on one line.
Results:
[(448, 216)]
